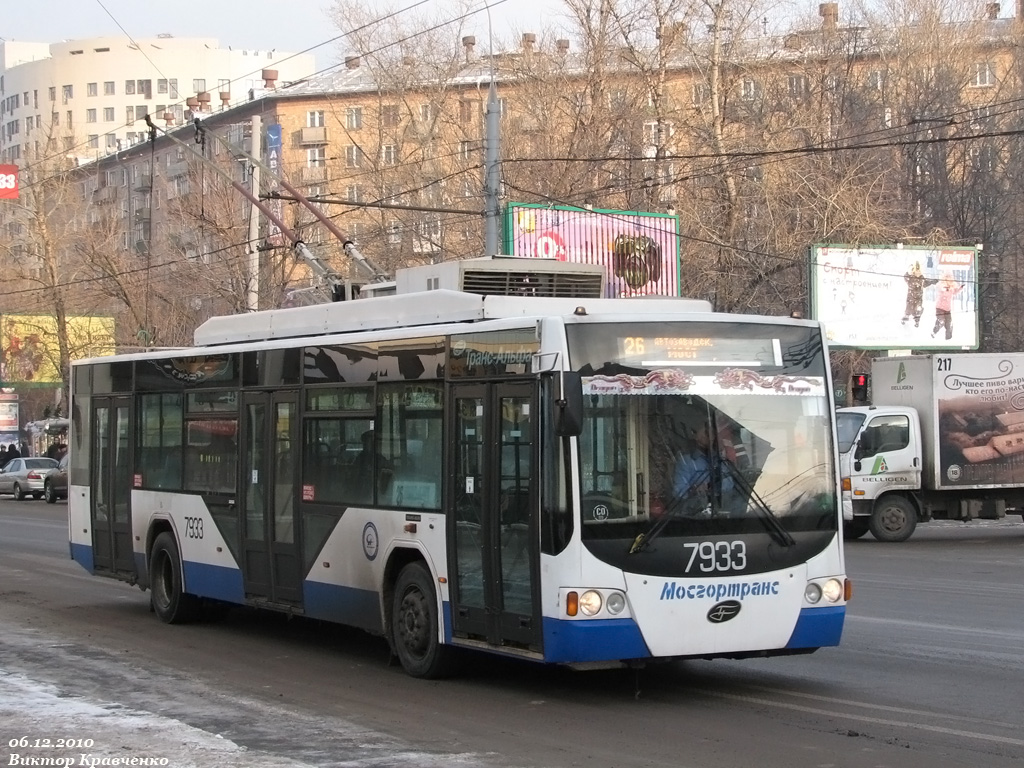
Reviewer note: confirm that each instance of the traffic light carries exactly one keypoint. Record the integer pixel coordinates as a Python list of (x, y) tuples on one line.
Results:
[(861, 381)]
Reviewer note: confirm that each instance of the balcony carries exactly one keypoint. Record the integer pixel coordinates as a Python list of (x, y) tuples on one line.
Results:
[(314, 175), (310, 136)]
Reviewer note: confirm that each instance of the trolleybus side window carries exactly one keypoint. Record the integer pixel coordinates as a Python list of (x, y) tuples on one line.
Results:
[(158, 450), (332, 437), (211, 444), (409, 430)]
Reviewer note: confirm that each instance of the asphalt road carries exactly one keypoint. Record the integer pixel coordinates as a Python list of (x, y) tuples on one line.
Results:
[(930, 674)]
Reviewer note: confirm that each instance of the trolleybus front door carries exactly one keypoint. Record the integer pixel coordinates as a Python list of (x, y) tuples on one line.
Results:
[(111, 484), (270, 552), (494, 514)]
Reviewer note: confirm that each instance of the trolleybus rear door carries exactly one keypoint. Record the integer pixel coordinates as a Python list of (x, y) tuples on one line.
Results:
[(494, 514), (111, 484), (270, 553)]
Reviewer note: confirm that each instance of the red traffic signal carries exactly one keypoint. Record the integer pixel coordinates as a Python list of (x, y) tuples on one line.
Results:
[(859, 387)]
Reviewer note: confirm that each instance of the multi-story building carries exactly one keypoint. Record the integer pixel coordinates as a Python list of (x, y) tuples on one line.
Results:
[(763, 146), (88, 98)]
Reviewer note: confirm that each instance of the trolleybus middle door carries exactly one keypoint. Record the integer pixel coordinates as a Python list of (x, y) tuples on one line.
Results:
[(111, 484), (270, 560), (494, 514)]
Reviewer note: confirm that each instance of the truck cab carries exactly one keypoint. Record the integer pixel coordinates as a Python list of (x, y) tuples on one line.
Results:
[(880, 463)]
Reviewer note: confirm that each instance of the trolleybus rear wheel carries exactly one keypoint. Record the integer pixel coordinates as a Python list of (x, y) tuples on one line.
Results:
[(415, 626), (170, 603)]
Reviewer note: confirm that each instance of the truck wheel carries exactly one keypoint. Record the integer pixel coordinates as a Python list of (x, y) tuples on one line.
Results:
[(854, 529), (169, 602), (415, 627), (894, 519)]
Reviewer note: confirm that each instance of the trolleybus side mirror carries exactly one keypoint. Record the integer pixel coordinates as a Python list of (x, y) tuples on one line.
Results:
[(569, 405)]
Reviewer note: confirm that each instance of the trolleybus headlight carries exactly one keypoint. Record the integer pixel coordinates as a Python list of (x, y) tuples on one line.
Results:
[(590, 602), (616, 602), (812, 593), (833, 590)]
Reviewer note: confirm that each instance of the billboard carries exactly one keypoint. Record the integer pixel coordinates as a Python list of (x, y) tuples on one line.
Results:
[(29, 350), (8, 182), (639, 250), (891, 297)]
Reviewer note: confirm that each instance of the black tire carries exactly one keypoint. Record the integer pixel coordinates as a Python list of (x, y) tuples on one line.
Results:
[(48, 493), (415, 626), (169, 602), (894, 519), (18, 493), (854, 529)]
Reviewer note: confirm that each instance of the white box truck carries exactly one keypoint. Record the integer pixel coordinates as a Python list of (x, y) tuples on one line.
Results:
[(943, 439)]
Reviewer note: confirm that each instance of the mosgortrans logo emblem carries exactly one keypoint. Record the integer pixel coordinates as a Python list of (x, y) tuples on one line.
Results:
[(724, 611)]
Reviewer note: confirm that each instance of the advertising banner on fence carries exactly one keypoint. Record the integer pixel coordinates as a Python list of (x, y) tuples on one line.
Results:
[(30, 351), (9, 419), (639, 250), (890, 297)]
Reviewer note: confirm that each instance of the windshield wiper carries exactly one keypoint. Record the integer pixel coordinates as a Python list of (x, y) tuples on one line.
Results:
[(764, 513), (646, 537)]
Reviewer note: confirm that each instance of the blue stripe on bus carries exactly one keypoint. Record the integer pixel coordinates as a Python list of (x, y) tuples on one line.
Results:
[(600, 640), (345, 605), (216, 581), (818, 627), (82, 554)]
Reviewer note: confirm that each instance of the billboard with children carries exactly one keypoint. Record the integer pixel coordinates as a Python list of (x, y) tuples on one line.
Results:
[(639, 250), (896, 297)]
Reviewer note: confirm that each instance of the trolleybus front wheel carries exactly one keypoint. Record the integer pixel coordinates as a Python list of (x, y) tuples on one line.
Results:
[(169, 602), (415, 626)]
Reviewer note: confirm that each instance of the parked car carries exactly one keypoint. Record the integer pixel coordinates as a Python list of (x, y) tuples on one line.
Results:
[(24, 477), (55, 483)]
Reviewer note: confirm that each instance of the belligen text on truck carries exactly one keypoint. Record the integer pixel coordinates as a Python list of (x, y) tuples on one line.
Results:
[(943, 439)]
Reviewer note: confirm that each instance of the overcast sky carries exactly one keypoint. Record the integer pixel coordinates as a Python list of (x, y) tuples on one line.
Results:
[(285, 25)]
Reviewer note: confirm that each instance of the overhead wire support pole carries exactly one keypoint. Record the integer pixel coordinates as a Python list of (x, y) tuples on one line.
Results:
[(492, 139)]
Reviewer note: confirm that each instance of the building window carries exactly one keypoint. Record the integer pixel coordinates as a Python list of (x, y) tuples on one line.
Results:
[(389, 154), (53, 93), (426, 112), (108, 88), (389, 115), (353, 157), (798, 86), (144, 88), (469, 109), (91, 89), (699, 93), (354, 118), (315, 119), (90, 115), (984, 74), (316, 157), (161, 86), (108, 114), (750, 89), (94, 141), (354, 193), (199, 85), (876, 78), (67, 93), (129, 87)]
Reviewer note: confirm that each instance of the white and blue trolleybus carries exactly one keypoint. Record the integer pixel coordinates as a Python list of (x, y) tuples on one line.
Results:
[(565, 478)]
